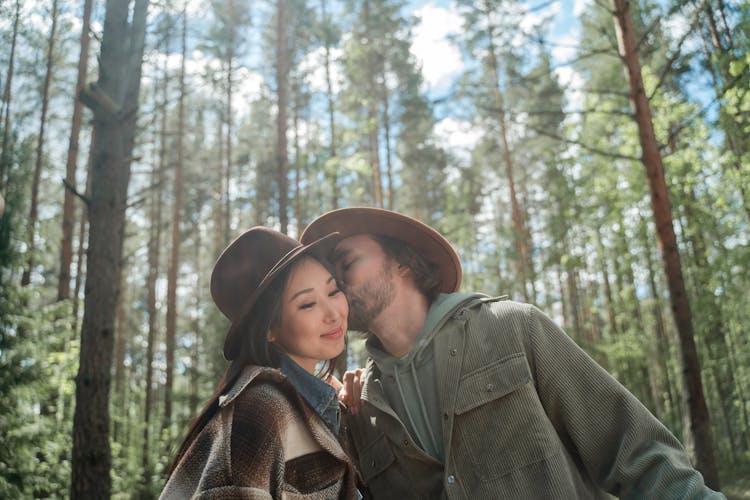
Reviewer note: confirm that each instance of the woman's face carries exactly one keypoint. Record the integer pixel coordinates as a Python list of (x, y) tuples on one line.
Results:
[(313, 316)]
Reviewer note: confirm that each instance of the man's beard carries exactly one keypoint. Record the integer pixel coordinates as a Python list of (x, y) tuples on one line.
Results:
[(369, 300)]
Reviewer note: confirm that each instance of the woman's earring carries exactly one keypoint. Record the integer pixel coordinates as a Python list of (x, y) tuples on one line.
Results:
[(270, 337)]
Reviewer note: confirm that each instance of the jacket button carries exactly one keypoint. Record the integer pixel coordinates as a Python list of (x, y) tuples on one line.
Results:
[(490, 387), (406, 442), (453, 352), (445, 415), (451, 479)]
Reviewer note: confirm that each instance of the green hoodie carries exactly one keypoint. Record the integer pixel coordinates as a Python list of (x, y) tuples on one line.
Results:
[(409, 382)]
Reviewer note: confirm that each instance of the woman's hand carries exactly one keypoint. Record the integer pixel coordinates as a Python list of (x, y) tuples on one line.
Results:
[(350, 390)]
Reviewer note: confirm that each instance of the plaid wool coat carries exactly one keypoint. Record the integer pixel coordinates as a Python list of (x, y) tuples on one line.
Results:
[(264, 442)]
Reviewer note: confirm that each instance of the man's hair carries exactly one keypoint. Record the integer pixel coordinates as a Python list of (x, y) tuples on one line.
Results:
[(426, 273)]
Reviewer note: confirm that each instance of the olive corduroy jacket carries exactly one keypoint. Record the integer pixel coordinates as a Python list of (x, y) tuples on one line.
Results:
[(526, 414)]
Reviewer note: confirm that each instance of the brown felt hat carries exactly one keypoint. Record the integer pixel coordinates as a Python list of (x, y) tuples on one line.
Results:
[(429, 243), (248, 265)]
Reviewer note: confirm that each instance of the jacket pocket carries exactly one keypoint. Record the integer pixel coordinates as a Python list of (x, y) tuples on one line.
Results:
[(500, 424), (491, 382), (331, 491), (375, 458)]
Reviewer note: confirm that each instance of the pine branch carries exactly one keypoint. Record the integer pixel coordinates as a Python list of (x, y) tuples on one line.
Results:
[(70, 187), (590, 149), (673, 58)]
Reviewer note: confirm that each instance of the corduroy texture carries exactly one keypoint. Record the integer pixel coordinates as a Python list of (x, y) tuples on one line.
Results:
[(526, 414), (354, 221), (239, 454)]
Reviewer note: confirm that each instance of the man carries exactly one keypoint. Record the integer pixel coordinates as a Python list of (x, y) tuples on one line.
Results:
[(469, 396)]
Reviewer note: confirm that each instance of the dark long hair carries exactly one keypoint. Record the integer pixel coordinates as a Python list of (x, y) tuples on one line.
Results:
[(255, 350)]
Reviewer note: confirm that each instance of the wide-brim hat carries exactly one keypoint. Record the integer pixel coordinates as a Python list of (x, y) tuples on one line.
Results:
[(248, 265), (429, 243)]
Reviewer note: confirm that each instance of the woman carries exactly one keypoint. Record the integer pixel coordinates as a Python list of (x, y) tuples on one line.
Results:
[(269, 430)]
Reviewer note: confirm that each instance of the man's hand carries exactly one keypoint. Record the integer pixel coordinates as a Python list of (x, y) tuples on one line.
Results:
[(351, 391)]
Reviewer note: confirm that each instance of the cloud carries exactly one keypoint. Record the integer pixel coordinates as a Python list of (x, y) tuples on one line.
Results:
[(579, 6), (565, 48), (314, 65), (439, 57), (458, 136)]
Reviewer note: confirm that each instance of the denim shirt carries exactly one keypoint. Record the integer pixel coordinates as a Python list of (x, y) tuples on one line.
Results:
[(319, 395)]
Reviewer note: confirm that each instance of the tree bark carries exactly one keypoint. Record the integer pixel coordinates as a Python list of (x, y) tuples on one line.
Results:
[(520, 234), (373, 130), (691, 372), (154, 260), (387, 137), (66, 246), (34, 208), (119, 77), (82, 225), (230, 138), (331, 171), (282, 90), (174, 261), (4, 161)]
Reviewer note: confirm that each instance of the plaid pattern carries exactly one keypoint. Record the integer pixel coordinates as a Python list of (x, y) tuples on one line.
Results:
[(239, 454)]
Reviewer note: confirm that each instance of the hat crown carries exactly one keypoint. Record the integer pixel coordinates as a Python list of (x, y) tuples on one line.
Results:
[(433, 246), (244, 264)]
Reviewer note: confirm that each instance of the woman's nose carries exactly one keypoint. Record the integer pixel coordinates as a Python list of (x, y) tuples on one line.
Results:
[(331, 312)]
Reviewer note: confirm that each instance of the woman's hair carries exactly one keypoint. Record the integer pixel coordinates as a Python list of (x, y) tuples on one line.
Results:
[(254, 350), (426, 273)]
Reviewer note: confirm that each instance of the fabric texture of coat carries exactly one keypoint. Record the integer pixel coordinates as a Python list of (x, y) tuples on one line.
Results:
[(264, 442), (526, 414)]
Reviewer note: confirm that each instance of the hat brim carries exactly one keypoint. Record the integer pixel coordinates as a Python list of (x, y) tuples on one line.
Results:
[(319, 248), (355, 221)]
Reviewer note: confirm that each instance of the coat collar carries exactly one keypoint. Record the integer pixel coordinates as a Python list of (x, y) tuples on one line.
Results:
[(248, 375)]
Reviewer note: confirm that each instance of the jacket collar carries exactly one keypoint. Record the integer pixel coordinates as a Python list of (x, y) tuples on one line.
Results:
[(248, 375)]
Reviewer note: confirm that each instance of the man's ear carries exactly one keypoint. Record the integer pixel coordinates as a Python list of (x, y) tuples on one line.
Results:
[(403, 271)]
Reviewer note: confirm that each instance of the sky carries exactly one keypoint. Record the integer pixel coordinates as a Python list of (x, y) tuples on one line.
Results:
[(442, 63)]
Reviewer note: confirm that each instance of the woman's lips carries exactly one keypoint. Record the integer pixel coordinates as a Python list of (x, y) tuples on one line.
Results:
[(334, 334)]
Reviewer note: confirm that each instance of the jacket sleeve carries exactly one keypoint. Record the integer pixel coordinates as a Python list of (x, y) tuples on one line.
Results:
[(624, 448)]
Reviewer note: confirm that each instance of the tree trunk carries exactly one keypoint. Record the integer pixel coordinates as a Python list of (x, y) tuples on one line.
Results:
[(4, 161), (120, 352), (174, 260), (387, 130), (66, 246), (83, 223), (154, 257), (611, 314), (119, 80), (331, 171), (519, 230), (219, 235), (282, 89), (691, 372), (298, 217), (227, 185), (373, 131), (664, 399), (34, 208)]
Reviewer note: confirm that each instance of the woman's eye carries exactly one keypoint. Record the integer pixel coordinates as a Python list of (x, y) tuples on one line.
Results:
[(334, 292), (307, 305)]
